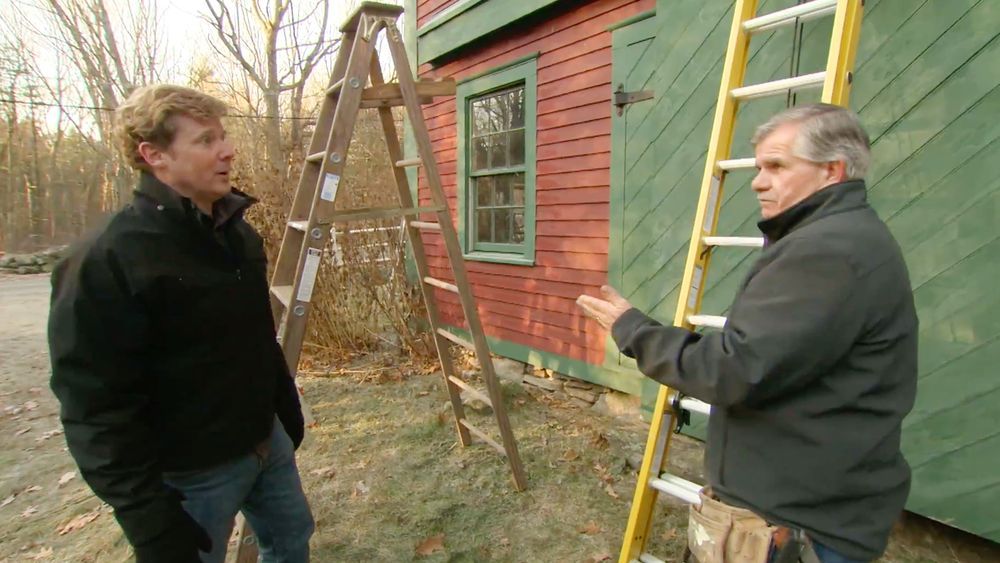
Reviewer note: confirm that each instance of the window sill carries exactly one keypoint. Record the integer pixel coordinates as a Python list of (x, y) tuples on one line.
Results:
[(500, 258)]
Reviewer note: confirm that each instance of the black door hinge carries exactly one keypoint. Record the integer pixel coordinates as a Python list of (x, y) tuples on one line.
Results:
[(623, 98)]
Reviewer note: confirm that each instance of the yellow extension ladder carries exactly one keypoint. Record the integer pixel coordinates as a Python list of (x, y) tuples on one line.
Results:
[(835, 82)]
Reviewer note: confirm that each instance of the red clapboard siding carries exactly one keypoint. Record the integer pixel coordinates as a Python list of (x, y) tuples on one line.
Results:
[(535, 305), (586, 130), (597, 194), (428, 8)]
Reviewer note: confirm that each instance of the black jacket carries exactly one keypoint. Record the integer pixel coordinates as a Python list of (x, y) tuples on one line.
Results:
[(810, 378), (164, 357)]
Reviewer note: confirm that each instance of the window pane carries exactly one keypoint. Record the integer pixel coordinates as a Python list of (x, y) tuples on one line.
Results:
[(516, 103), (517, 189), (501, 225), (480, 117), (484, 191), (518, 235), (480, 152), (496, 122), (501, 194), (498, 150), (516, 143), (484, 226)]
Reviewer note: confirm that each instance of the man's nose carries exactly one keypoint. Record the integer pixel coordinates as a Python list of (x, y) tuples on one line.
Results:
[(228, 150), (759, 182)]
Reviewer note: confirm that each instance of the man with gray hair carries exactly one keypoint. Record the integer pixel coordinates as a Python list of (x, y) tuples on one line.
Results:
[(816, 366)]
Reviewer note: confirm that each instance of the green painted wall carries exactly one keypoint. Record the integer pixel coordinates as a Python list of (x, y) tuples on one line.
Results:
[(928, 89)]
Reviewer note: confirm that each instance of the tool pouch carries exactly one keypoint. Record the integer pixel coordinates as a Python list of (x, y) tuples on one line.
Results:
[(719, 533)]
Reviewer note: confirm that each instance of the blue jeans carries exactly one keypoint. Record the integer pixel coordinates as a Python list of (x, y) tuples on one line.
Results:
[(267, 490), (825, 555)]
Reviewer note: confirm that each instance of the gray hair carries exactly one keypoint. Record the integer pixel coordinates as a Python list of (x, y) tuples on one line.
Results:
[(827, 133)]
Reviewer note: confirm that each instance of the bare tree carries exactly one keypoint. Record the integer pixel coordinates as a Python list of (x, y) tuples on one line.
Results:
[(277, 48)]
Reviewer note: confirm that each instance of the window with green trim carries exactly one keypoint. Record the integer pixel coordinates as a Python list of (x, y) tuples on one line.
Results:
[(496, 163)]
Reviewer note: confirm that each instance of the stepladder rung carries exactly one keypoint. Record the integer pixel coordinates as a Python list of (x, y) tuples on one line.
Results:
[(791, 16), (409, 162), (764, 89), (711, 321), (694, 405), (747, 242), (470, 390), (647, 558), (283, 293), (425, 225), (299, 225), (483, 436), (335, 88), (379, 213), (457, 339), (316, 157), (737, 164), (677, 487), (441, 284)]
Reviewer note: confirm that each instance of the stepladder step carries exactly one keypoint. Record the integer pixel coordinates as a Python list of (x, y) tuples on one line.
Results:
[(457, 339), (409, 162), (475, 393), (483, 436), (425, 225), (441, 284), (283, 293)]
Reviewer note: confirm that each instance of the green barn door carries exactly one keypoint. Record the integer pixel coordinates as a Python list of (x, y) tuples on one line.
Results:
[(631, 70)]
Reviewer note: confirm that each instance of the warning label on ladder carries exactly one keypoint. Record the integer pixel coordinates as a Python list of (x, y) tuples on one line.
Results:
[(309, 271)]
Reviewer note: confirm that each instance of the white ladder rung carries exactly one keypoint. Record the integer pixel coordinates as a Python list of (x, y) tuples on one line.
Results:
[(790, 16), (299, 225), (647, 558), (283, 293), (813, 80), (737, 164), (712, 321), (677, 487), (316, 157), (748, 242), (694, 405)]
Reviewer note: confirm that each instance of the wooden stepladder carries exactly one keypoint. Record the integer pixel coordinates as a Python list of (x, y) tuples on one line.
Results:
[(835, 82), (357, 83)]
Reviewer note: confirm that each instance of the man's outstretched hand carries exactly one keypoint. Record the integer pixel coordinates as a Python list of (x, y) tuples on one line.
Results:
[(607, 310)]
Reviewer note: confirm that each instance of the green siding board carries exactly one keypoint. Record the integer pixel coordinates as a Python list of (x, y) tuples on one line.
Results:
[(915, 33), (967, 375), (960, 489), (973, 177), (949, 431)]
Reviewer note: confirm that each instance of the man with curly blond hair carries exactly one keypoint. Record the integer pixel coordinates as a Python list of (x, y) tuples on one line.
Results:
[(176, 399)]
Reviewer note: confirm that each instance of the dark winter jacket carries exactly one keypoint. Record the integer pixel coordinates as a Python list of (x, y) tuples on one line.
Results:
[(164, 356), (811, 376)]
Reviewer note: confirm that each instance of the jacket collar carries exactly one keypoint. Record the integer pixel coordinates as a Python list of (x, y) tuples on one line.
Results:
[(167, 200), (833, 199)]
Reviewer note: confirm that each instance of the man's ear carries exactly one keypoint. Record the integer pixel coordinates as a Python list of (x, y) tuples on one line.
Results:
[(836, 171), (152, 154)]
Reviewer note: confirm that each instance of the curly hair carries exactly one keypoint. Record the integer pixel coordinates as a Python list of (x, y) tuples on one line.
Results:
[(145, 116)]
